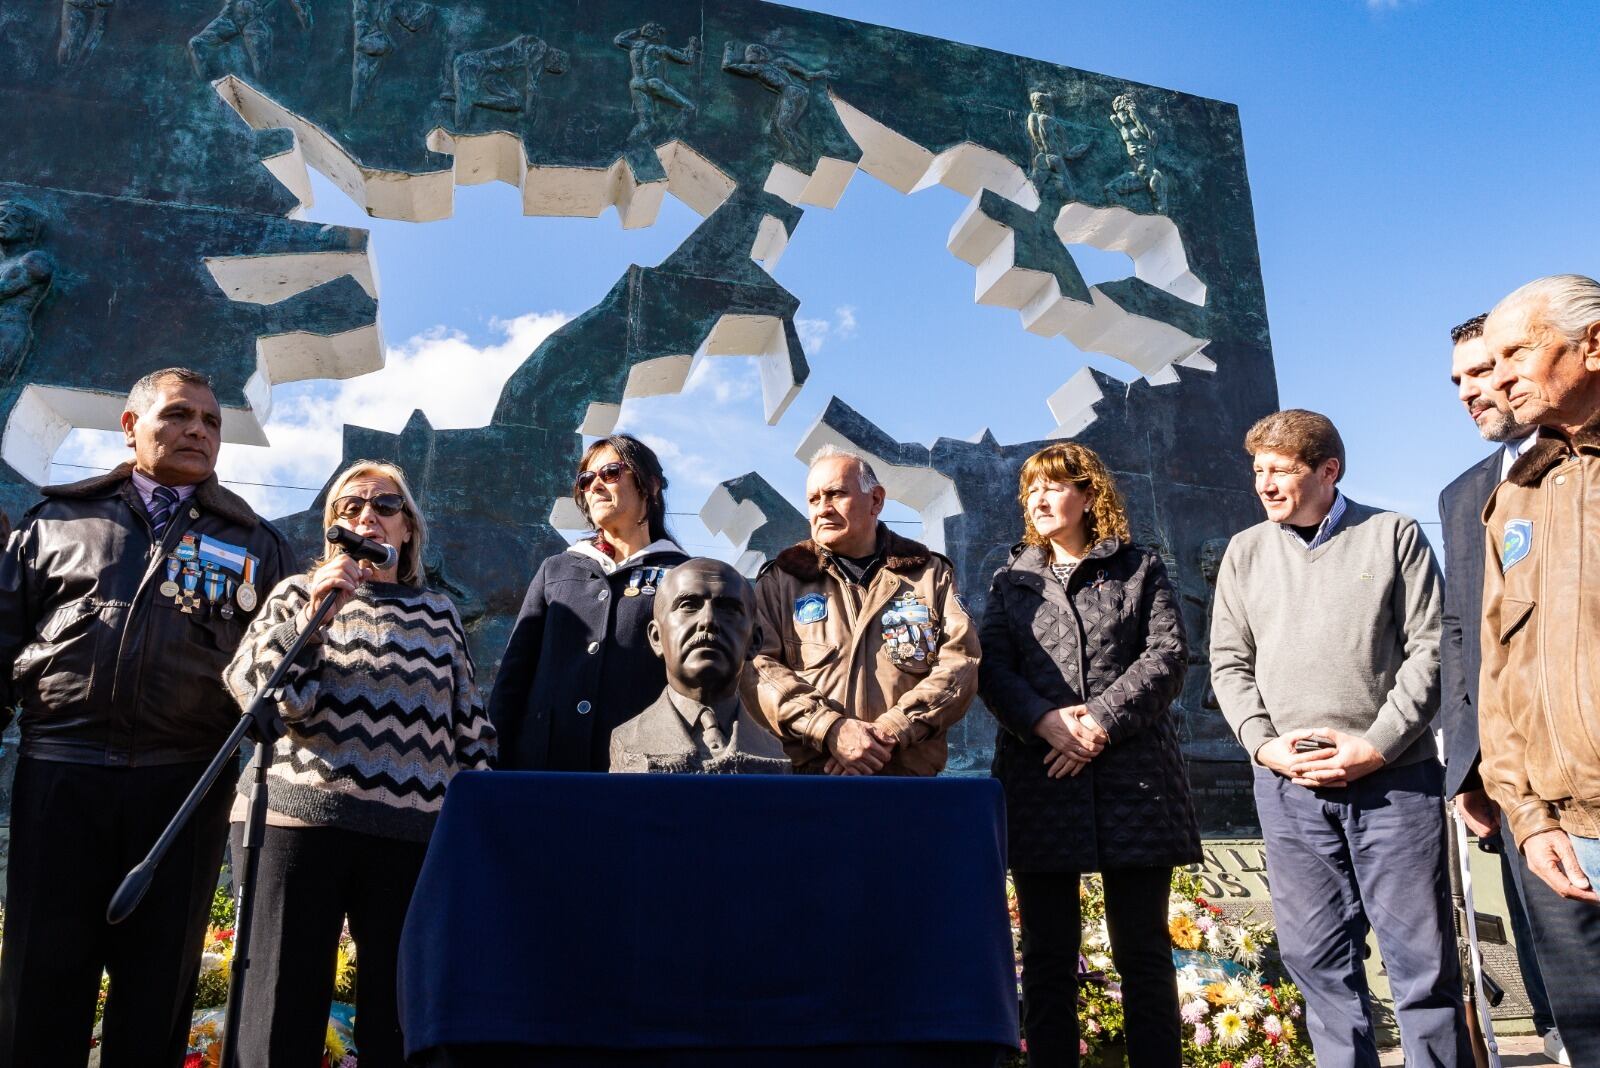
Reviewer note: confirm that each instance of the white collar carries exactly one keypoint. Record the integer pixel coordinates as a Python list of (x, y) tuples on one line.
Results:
[(1512, 451), (586, 547)]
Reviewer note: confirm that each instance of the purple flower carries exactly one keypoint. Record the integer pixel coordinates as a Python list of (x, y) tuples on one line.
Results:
[(1202, 1034)]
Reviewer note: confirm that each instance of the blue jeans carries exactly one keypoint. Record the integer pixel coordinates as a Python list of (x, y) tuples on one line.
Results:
[(1371, 854), (1588, 850), (1566, 935)]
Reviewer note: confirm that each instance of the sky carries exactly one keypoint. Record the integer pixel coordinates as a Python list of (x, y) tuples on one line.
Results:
[(1411, 161)]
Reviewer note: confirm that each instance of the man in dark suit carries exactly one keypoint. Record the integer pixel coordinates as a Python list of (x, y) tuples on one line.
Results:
[(122, 598), (1461, 514)]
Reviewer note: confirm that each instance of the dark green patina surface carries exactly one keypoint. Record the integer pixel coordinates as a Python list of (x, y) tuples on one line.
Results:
[(140, 172)]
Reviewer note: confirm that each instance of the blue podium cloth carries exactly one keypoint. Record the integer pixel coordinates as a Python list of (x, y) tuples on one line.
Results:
[(673, 913)]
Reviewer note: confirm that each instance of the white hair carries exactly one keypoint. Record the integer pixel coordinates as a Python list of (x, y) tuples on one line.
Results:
[(1571, 302), (868, 477)]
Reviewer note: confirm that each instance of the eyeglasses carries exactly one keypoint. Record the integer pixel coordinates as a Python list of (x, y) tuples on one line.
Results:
[(385, 504), (609, 474)]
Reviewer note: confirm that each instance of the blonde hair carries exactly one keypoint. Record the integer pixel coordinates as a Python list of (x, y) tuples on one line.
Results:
[(1067, 461), (410, 570)]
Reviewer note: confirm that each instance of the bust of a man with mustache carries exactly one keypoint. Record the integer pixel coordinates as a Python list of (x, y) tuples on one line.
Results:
[(704, 629)]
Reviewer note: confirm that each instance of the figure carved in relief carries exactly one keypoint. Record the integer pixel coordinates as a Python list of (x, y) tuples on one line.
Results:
[(503, 78), (244, 21), (375, 40), (469, 605), (1051, 152), (648, 86), (1211, 552), (1140, 141), (25, 276), (83, 23), (787, 78)]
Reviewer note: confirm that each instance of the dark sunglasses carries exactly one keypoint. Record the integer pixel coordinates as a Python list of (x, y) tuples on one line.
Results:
[(609, 474), (385, 504)]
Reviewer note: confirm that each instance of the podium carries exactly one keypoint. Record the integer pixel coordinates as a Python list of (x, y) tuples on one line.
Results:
[(653, 920)]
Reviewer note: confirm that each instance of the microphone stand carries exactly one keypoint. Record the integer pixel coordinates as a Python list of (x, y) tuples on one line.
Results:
[(268, 728)]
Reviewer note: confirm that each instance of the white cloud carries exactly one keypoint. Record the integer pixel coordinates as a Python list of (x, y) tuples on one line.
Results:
[(813, 333), (724, 378), (455, 382), (816, 333), (697, 432), (845, 320)]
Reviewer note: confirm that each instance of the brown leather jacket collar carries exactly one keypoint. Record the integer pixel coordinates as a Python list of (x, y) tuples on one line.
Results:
[(804, 561), (210, 494), (1551, 449)]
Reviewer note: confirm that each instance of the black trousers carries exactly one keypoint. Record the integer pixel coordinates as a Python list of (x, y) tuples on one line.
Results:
[(1052, 930), (76, 830), (309, 880)]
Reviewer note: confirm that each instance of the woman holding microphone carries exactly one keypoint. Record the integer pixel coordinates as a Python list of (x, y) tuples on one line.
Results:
[(381, 712)]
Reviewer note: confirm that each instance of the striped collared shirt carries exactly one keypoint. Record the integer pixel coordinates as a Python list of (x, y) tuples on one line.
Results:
[(1324, 529)]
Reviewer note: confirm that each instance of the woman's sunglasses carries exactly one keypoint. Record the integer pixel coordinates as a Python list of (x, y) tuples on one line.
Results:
[(607, 474), (385, 504)]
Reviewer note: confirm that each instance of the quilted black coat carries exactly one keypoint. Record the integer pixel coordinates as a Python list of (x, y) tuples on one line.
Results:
[(1113, 639)]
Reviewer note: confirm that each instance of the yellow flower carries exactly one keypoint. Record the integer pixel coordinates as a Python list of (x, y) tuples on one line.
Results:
[(1185, 934), (1288, 1032), (1231, 1029), (335, 1046), (1220, 994)]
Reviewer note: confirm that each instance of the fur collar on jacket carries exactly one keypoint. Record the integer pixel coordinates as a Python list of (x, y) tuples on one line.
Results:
[(210, 494), (804, 561), (1551, 449)]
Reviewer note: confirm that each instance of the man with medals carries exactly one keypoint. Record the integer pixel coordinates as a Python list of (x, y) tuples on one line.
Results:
[(866, 656), (122, 598)]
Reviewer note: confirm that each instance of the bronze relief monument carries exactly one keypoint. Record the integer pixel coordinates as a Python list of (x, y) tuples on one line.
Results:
[(175, 204)]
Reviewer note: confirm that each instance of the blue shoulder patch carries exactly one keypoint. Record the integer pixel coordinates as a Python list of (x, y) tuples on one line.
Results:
[(1516, 543), (812, 608)]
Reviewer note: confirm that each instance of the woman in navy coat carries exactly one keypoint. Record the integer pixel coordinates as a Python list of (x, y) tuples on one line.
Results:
[(577, 663)]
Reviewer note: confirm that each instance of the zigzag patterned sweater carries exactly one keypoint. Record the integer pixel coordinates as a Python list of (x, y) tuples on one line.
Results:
[(382, 711)]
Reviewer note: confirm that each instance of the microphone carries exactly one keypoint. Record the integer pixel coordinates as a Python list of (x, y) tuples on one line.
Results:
[(375, 553)]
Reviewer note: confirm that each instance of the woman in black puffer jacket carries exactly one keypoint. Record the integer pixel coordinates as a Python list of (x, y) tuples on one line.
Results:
[(1083, 655)]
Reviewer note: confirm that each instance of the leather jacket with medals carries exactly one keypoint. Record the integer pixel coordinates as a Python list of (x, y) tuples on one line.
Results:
[(105, 668)]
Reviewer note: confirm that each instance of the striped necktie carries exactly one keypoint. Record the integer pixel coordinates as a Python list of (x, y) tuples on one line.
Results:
[(163, 502)]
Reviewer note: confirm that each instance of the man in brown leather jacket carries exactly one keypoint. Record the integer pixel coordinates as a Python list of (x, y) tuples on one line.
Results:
[(866, 657), (122, 598), (1539, 714)]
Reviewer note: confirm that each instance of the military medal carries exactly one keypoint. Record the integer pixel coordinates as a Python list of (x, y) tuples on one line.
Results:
[(227, 600), (189, 600), (245, 595), (213, 587), (906, 626), (188, 549), (649, 575), (634, 579), (169, 588)]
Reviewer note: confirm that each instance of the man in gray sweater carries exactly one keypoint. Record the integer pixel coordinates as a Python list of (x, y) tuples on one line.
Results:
[(1325, 660)]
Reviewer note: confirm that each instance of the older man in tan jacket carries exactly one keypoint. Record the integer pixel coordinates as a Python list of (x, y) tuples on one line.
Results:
[(866, 656), (1539, 692)]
